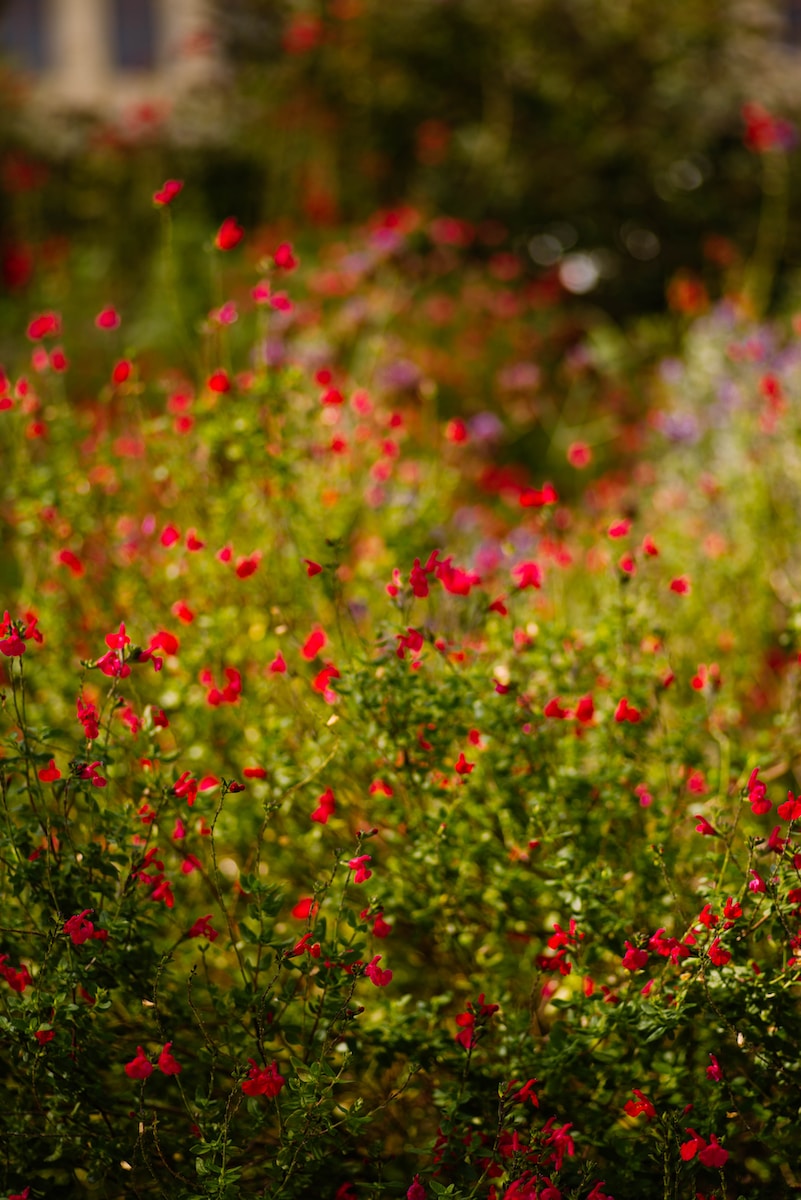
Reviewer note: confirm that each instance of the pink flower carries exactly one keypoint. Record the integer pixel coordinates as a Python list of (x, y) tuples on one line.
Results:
[(704, 827), (416, 1191)]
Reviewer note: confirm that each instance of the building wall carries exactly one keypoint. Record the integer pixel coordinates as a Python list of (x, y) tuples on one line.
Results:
[(99, 55)]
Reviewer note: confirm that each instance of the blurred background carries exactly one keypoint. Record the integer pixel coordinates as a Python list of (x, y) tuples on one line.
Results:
[(603, 139)]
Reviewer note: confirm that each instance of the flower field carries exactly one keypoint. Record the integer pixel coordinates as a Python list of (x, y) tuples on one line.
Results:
[(400, 713)]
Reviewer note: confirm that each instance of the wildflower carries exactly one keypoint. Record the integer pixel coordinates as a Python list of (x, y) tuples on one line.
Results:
[(139, 1067), (627, 712), (642, 1106), (462, 766), (203, 928), (219, 382), (634, 959), (619, 529), (326, 806), (757, 794), (554, 709), (416, 1191), (312, 568), (528, 575), (757, 883), (168, 192), (78, 928), (378, 977), (263, 1081), (108, 318), (314, 643), (229, 234), (561, 1141), (714, 1071), (790, 810), (50, 773), (284, 257), (717, 954), (681, 585), (167, 1064), (704, 827), (359, 866)]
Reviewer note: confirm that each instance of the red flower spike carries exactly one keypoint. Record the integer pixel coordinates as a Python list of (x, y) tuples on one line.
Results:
[(229, 234)]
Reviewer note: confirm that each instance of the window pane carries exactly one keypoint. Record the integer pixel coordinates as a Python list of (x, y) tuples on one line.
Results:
[(22, 34), (792, 22), (134, 34)]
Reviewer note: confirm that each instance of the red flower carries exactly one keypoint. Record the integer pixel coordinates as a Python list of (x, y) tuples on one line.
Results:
[(681, 585), (312, 568), (359, 866), (107, 318), (248, 565), (377, 976), (642, 1106), (326, 806), (168, 193), (139, 1067), (314, 644), (284, 257), (50, 773), (527, 574), (121, 372), (167, 1064), (219, 382), (627, 712), (634, 959), (554, 709), (229, 234), (263, 1081), (462, 766), (79, 929), (203, 928), (619, 529), (46, 325)]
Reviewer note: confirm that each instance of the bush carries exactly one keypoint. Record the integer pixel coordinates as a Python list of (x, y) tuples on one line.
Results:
[(375, 821)]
